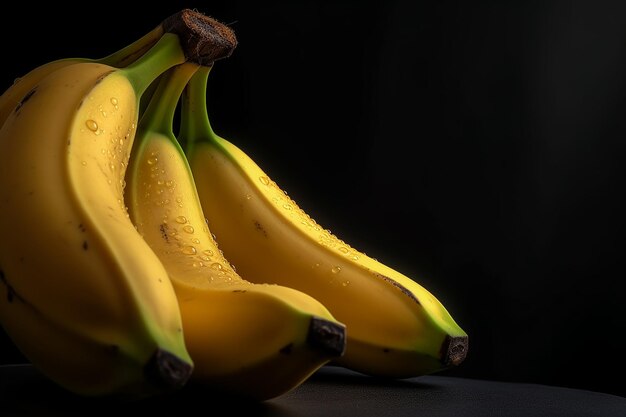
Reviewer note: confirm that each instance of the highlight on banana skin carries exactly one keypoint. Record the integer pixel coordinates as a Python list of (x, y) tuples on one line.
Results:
[(144, 225)]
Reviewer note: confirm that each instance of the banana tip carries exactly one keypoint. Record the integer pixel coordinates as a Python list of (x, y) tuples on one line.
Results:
[(327, 336), (454, 350), (168, 370)]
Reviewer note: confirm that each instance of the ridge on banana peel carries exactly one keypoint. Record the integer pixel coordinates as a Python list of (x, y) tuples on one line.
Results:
[(246, 340), (395, 327), (125, 56), (82, 296), (121, 58)]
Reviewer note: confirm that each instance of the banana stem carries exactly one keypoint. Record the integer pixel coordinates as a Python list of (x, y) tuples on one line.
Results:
[(130, 53), (166, 53), (203, 39), (159, 115), (195, 125)]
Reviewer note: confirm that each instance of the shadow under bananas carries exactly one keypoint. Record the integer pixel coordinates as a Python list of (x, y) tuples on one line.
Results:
[(335, 387), (24, 391), (334, 375)]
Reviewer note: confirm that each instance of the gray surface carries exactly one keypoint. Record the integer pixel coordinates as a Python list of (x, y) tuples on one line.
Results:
[(331, 392)]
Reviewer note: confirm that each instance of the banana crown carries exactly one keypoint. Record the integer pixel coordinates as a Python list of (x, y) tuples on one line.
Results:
[(130, 221)]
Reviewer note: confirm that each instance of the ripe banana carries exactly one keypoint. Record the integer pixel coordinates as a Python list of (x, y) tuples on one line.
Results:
[(121, 58), (22, 85), (395, 327), (81, 293), (250, 340)]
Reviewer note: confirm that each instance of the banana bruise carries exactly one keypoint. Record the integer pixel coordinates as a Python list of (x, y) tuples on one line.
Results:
[(396, 328), (81, 293), (248, 340)]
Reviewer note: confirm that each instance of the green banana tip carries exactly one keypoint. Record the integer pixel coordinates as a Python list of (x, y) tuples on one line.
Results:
[(203, 38)]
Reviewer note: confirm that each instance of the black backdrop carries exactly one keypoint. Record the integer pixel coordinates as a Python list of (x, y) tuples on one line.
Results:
[(474, 145)]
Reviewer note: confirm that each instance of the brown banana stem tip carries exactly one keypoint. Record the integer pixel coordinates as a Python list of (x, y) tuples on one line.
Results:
[(454, 350), (204, 39), (327, 337), (166, 370)]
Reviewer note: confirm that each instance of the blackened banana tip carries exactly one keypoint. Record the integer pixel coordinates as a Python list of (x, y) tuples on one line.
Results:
[(327, 336), (454, 350), (167, 370)]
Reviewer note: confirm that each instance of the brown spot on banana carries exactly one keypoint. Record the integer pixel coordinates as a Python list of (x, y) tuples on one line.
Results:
[(101, 77), (24, 99), (98, 81), (399, 286), (259, 228), (85, 245), (163, 229)]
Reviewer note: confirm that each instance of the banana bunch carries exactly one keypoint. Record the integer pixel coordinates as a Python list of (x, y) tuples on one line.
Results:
[(82, 295), (125, 284), (396, 328), (250, 340)]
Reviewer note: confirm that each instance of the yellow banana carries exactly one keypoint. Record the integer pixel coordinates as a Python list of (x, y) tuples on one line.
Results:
[(81, 293), (250, 340), (121, 58), (22, 85), (395, 327)]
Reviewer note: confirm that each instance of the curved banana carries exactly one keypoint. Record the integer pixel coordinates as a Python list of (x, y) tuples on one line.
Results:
[(250, 340), (395, 327), (81, 294), (121, 58), (22, 85)]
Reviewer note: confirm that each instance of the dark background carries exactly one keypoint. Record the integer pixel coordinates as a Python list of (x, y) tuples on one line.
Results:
[(476, 146)]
